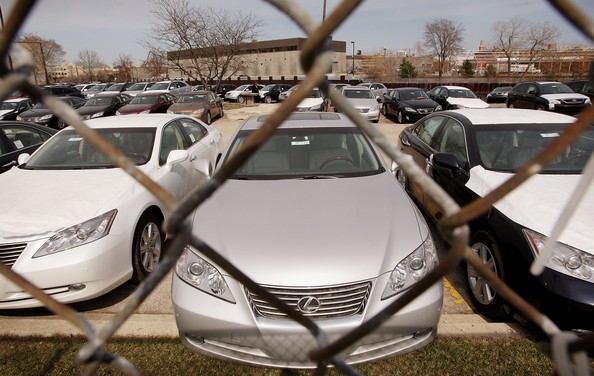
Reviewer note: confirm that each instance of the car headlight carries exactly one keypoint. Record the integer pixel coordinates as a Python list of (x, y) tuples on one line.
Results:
[(410, 270), (588, 101), (118, 113), (438, 108), (317, 107), (45, 117), (170, 112), (202, 275), (97, 114), (564, 259), (77, 235), (374, 108), (19, 118), (409, 109), (198, 111), (145, 112)]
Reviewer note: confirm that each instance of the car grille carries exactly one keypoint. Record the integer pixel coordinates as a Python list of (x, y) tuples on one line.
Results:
[(9, 253), (317, 303), (573, 101), (363, 110), (425, 110)]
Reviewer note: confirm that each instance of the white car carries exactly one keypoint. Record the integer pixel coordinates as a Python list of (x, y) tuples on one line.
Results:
[(77, 226), (364, 100), (237, 94), (456, 97), (314, 102), (174, 87)]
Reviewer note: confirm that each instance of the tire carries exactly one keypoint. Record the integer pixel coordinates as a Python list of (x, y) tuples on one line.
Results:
[(222, 112), (241, 99), (483, 296), (268, 99), (208, 118), (146, 247), (400, 118), (510, 105), (540, 107), (60, 124)]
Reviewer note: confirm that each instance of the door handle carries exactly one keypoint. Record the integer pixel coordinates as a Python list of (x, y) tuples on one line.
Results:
[(192, 158)]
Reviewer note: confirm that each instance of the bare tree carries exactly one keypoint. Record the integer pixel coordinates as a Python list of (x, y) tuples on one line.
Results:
[(206, 45), (539, 37), (156, 63), (509, 37), (90, 61), (444, 39), (123, 66), (46, 52)]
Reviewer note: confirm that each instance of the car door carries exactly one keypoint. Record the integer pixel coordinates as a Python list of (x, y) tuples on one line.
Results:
[(439, 94), (203, 143)]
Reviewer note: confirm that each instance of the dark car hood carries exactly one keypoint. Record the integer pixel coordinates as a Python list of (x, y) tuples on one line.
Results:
[(135, 108), (276, 230), (35, 113), (87, 110), (419, 103)]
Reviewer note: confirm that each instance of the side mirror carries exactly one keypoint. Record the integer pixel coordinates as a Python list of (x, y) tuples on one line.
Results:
[(23, 158), (176, 156), (447, 160)]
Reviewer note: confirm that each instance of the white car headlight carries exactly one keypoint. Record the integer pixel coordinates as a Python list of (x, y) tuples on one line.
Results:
[(202, 275), (409, 109), (438, 108), (410, 270), (145, 112), (77, 235), (199, 111), (317, 107), (45, 117), (97, 114), (564, 259)]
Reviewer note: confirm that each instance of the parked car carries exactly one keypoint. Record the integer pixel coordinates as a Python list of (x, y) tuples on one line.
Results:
[(582, 87), (42, 115), (270, 93), (377, 88), (147, 103), (101, 105), (471, 152), (408, 104), (84, 87), (62, 91), (138, 88), (336, 87), (498, 95), (203, 105), (11, 108), (315, 101), (99, 88), (456, 97), (282, 96), (318, 189), (119, 87), (237, 95), (547, 96), (17, 138), (175, 87), (364, 100), (78, 226), (222, 89)]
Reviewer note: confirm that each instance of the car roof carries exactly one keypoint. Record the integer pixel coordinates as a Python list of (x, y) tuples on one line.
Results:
[(134, 121), (482, 116), (303, 120), (454, 87), (15, 99), (189, 93)]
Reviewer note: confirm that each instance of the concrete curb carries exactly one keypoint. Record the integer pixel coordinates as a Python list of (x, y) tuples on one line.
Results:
[(154, 325)]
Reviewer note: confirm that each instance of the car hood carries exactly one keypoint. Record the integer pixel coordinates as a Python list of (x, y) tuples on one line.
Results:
[(34, 113), (87, 110), (563, 96), (135, 108), (311, 232), (468, 102), (363, 103), (186, 107), (310, 102), (419, 103), (538, 202), (36, 203)]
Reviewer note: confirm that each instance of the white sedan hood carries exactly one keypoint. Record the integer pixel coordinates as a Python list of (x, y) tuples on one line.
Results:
[(311, 232), (468, 102), (538, 202), (37, 203), (4, 112), (363, 102), (310, 102), (561, 96)]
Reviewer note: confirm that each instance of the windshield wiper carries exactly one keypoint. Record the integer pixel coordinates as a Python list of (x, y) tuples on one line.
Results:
[(311, 177)]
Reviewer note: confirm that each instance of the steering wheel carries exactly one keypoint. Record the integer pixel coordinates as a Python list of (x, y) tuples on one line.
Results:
[(336, 158), (576, 157)]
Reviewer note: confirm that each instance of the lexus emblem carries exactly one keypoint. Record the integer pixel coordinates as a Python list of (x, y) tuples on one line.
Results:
[(308, 304)]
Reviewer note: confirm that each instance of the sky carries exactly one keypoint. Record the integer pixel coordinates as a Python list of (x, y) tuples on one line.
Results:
[(117, 27)]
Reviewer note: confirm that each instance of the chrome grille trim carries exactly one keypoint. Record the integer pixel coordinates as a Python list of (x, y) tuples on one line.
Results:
[(9, 253), (336, 302)]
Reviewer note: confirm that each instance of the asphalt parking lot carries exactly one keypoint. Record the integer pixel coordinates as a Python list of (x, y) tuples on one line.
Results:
[(155, 315)]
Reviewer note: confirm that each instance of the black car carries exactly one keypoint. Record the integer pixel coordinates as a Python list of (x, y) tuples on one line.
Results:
[(17, 138), (223, 88), (11, 108), (62, 91), (498, 95), (270, 93), (40, 114), (102, 105), (547, 96), (408, 104), (469, 153), (582, 87)]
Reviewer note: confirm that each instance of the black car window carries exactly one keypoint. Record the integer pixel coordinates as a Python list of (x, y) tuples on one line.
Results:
[(522, 88), (452, 140), (427, 129), (23, 137)]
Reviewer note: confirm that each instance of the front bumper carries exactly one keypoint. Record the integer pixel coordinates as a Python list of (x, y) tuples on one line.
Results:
[(222, 330)]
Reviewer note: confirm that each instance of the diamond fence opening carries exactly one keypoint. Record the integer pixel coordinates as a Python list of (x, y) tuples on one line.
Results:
[(568, 351)]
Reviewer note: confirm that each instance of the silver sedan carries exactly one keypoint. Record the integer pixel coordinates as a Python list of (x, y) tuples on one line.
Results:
[(317, 219)]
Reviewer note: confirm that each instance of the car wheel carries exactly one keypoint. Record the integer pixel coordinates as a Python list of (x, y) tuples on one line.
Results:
[(540, 107), (208, 118), (510, 105), (401, 177), (146, 247), (268, 99), (222, 112), (241, 99), (483, 296), (60, 124), (400, 117)]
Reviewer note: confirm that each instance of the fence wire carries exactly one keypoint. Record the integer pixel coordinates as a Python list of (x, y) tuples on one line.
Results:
[(568, 351)]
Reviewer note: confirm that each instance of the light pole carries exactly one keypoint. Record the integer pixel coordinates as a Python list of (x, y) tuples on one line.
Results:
[(353, 43)]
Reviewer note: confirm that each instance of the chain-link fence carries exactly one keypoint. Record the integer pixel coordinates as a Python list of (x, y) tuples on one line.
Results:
[(568, 351)]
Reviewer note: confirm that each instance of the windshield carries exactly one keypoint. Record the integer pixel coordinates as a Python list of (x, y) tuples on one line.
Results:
[(509, 147), (68, 150), (99, 101), (413, 94), (461, 93), (144, 99), (136, 87), (194, 98), (98, 87), (9, 105), (309, 153), (268, 87), (241, 88), (160, 86), (363, 93), (555, 88), (116, 87)]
